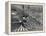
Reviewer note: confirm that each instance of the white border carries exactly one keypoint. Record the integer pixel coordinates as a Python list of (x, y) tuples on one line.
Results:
[(26, 3)]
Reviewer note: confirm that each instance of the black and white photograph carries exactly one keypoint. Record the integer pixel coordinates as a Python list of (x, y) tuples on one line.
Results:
[(26, 18)]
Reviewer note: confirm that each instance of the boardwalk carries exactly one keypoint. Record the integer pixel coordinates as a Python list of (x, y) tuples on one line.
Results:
[(26, 18)]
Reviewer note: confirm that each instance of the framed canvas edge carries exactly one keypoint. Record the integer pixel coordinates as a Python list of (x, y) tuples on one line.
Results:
[(9, 19)]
